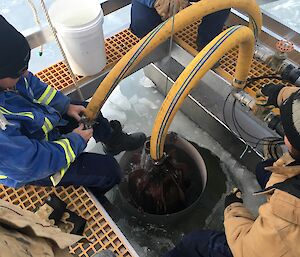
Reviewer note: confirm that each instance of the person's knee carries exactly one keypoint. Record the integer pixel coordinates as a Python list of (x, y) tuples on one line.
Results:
[(210, 27), (115, 172), (143, 19), (192, 244), (195, 236)]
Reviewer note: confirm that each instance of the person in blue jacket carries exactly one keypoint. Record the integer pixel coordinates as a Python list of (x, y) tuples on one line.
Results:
[(41, 138), (147, 14)]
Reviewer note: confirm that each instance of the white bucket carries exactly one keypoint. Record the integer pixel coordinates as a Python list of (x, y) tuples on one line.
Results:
[(79, 28)]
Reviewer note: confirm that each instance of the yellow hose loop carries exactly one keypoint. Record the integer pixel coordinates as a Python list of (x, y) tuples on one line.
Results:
[(161, 33), (235, 36)]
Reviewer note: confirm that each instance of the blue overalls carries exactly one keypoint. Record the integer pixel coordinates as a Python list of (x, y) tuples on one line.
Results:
[(202, 243), (144, 18), (38, 146)]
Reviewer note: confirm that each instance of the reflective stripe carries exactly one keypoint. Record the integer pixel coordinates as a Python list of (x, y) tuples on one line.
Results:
[(28, 87), (57, 177), (70, 157), (47, 96), (7, 112), (3, 177), (69, 153), (47, 127)]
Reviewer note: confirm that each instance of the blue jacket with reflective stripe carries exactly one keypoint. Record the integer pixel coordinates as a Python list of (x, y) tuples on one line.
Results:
[(26, 154)]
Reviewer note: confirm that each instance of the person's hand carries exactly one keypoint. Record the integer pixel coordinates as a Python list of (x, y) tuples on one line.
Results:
[(268, 95), (165, 8), (75, 111), (86, 134), (235, 196)]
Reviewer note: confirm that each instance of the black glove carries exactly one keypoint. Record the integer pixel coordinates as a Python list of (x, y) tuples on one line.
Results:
[(52, 209), (268, 94), (72, 223), (101, 133), (235, 196)]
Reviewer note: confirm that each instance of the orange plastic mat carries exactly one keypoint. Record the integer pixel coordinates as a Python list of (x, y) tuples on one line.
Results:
[(99, 230)]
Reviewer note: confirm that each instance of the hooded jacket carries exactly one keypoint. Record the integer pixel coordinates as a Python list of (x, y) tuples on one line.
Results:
[(31, 146), (276, 230), (23, 233)]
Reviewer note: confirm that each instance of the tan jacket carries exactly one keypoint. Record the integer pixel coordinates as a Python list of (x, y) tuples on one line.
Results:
[(276, 231), (23, 233), (165, 8)]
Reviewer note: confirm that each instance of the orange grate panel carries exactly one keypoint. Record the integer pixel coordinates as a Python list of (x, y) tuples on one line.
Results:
[(98, 230), (116, 47), (57, 76), (187, 39)]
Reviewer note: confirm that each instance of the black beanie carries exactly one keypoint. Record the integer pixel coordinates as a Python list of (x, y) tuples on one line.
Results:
[(14, 51), (290, 118)]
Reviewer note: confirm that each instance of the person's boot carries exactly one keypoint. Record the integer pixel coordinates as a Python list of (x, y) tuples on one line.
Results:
[(120, 141)]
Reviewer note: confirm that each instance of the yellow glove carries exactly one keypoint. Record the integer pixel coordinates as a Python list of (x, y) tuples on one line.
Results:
[(165, 8)]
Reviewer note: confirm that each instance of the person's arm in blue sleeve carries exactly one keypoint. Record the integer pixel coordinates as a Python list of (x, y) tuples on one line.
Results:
[(30, 160), (148, 3), (47, 95)]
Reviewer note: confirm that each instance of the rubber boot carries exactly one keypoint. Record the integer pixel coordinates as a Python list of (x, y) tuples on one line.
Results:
[(72, 223), (120, 141), (52, 210)]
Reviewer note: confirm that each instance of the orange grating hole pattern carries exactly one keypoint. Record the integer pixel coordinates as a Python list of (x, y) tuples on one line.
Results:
[(187, 39), (116, 47), (98, 230)]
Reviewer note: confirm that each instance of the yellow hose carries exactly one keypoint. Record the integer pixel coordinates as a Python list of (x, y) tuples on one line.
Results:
[(235, 36), (161, 33)]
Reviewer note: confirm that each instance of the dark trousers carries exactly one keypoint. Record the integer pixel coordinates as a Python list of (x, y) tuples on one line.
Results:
[(263, 175), (98, 172), (202, 243), (144, 19)]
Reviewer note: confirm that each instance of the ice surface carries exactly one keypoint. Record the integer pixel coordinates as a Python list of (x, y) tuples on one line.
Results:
[(286, 11), (119, 100), (145, 82)]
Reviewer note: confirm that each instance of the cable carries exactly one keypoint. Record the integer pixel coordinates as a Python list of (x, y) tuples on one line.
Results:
[(224, 107), (234, 120), (265, 76), (270, 142), (274, 139), (270, 146), (239, 128)]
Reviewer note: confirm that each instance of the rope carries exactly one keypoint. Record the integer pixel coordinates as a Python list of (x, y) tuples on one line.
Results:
[(62, 51), (37, 21)]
